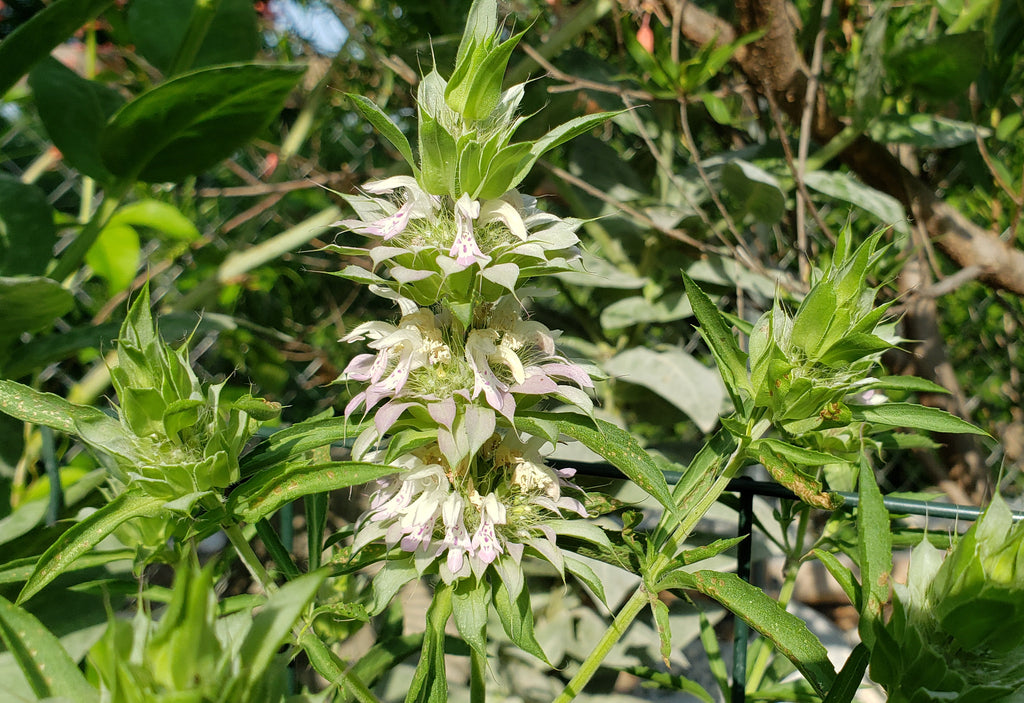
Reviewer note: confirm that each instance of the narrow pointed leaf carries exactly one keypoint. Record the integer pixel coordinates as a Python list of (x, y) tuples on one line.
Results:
[(848, 681), (85, 535), (787, 632), (267, 492), (918, 417), (383, 124), (49, 670), (470, 600), (275, 621), (517, 620), (874, 546), (732, 363), (429, 683), (35, 39), (191, 122), (618, 447)]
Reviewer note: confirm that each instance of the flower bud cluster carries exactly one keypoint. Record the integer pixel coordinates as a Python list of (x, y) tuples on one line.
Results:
[(957, 628), (803, 366), (183, 438)]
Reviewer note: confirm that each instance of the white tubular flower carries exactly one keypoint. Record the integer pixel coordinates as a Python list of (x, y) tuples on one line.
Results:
[(480, 346), (504, 210), (416, 342), (486, 545), (464, 249), (418, 204), (456, 539)]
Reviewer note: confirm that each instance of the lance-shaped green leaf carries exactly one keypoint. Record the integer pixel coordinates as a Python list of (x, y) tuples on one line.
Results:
[(617, 446), (787, 632), (268, 491), (918, 417), (47, 409), (27, 237), (731, 361), (429, 683), (474, 89), (383, 124), (848, 681), (191, 122), (30, 304), (84, 537), (293, 442), (559, 135), (874, 551), (842, 575), (74, 110), (517, 619), (273, 623), (438, 157), (49, 670)]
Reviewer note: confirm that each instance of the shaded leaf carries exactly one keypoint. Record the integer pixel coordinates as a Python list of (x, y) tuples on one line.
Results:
[(191, 122), (274, 623), (35, 39), (675, 376), (84, 537), (27, 234), (158, 29), (43, 660), (30, 304)]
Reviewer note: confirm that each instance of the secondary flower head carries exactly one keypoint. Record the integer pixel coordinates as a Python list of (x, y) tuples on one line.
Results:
[(427, 359), (464, 521)]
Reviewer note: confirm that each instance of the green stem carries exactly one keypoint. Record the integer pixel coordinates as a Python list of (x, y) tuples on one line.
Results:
[(198, 28), (589, 667), (831, 150), (477, 676), (248, 557), (74, 255), (663, 559), (330, 667)]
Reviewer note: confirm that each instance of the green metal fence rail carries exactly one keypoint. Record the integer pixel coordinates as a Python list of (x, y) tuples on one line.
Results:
[(747, 488)]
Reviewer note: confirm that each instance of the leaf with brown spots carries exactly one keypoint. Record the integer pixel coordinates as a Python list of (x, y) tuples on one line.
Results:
[(84, 536), (46, 665), (268, 491), (787, 632)]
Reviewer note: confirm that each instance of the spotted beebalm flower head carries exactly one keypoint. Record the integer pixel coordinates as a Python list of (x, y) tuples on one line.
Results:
[(430, 248), (428, 361), (465, 520)]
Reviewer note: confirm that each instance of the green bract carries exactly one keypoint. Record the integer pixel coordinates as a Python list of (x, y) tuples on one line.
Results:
[(957, 628), (184, 437)]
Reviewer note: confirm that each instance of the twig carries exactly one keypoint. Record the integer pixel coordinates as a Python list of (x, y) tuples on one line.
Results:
[(577, 83), (797, 175), (249, 191), (632, 212), (810, 97), (951, 283)]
